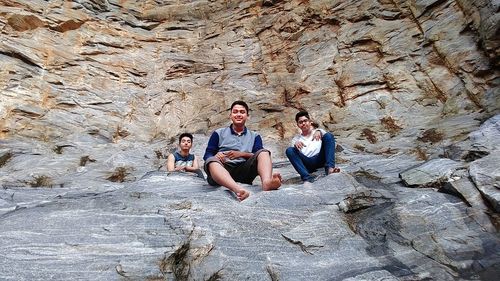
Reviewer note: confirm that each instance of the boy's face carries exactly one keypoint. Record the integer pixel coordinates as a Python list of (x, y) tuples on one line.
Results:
[(304, 124), (238, 115), (185, 143)]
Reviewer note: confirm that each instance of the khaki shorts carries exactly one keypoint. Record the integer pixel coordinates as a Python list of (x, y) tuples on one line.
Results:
[(244, 172)]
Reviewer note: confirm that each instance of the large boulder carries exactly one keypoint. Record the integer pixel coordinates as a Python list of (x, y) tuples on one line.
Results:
[(175, 226), (433, 173), (485, 173)]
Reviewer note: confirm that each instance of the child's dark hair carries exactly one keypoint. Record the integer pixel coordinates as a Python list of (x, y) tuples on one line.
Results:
[(185, 135), (300, 114), (242, 103)]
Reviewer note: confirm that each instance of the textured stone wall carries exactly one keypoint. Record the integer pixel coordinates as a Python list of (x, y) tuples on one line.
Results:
[(370, 71)]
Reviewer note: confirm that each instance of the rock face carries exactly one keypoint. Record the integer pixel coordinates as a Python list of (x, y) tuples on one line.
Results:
[(433, 172), (94, 94), (485, 173), (165, 227), (374, 72)]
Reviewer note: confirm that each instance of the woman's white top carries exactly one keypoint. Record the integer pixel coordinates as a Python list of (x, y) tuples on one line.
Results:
[(311, 147)]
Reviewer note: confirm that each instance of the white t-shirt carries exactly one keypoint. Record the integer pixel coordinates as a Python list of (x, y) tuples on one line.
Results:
[(311, 147)]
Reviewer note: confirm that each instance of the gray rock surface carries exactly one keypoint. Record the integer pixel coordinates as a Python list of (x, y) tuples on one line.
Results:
[(485, 139), (93, 95), (485, 173), (432, 173), (465, 188), (170, 226)]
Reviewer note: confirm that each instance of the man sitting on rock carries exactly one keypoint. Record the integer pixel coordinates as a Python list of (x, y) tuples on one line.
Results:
[(236, 154), (313, 148), (182, 160)]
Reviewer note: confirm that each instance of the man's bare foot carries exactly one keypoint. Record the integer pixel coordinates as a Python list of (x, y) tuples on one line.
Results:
[(242, 194), (332, 170), (272, 183)]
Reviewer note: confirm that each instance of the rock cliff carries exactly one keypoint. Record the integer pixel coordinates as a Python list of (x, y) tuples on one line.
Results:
[(95, 92)]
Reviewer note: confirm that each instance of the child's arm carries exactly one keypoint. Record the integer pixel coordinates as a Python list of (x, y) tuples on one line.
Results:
[(171, 163), (196, 165)]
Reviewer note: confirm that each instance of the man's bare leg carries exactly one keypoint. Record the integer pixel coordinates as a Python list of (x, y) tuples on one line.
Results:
[(270, 180), (221, 176)]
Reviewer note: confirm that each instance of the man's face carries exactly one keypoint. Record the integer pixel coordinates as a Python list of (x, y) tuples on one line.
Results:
[(186, 143), (304, 124), (239, 115)]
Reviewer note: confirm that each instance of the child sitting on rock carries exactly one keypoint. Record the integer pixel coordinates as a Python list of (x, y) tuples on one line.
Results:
[(182, 160)]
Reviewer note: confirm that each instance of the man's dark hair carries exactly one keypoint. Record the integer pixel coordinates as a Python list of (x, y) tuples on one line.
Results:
[(242, 103), (185, 135), (300, 114)]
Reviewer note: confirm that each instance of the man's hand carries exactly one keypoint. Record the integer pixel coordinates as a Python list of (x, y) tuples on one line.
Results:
[(317, 135), (299, 145), (221, 156), (233, 154)]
